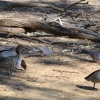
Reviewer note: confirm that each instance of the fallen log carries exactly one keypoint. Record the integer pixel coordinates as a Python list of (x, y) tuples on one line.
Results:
[(52, 28), (15, 30), (11, 30)]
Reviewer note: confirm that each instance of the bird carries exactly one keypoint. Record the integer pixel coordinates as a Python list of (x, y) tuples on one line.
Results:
[(7, 53), (12, 62), (95, 55), (43, 51), (94, 77), (11, 52)]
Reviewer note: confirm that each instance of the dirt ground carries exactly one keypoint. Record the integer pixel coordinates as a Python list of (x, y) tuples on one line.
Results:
[(58, 76)]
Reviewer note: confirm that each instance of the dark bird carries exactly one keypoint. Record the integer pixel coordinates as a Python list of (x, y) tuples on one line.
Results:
[(94, 77), (95, 55), (11, 52), (12, 62)]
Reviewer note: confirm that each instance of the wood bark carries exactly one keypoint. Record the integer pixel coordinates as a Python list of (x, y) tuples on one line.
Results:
[(51, 27)]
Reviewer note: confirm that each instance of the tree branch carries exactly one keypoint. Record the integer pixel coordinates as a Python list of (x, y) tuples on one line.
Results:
[(52, 28), (28, 4), (72, 5)]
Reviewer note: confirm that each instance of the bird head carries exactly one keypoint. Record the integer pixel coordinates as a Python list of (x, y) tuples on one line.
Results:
[(19, 49)]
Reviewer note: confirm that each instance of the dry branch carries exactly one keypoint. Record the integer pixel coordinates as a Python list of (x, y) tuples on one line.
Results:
[(72, 5), (29, 38), (32, 4), (51, 27), (84, 31), (84, 3), (94, 12), (11, 30), (15, 30)]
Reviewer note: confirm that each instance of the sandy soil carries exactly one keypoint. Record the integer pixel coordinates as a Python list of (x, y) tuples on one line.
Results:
[(59, 76)]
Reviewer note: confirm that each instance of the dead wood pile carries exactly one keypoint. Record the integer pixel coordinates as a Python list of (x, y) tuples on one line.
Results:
[(80, 26)]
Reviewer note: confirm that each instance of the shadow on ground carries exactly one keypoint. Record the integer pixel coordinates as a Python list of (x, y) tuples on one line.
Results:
[(86, 87)]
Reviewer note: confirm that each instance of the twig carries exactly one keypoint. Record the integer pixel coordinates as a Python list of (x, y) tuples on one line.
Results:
[(84, 3), (35, 38), (28, 4), (65, 10), (94, 12)]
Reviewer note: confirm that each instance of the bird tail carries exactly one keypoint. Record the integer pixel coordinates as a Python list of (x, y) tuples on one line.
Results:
[(23, 64), (86, 78)]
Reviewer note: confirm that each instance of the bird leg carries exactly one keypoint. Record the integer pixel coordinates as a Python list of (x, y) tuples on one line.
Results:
[(94, 86)]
